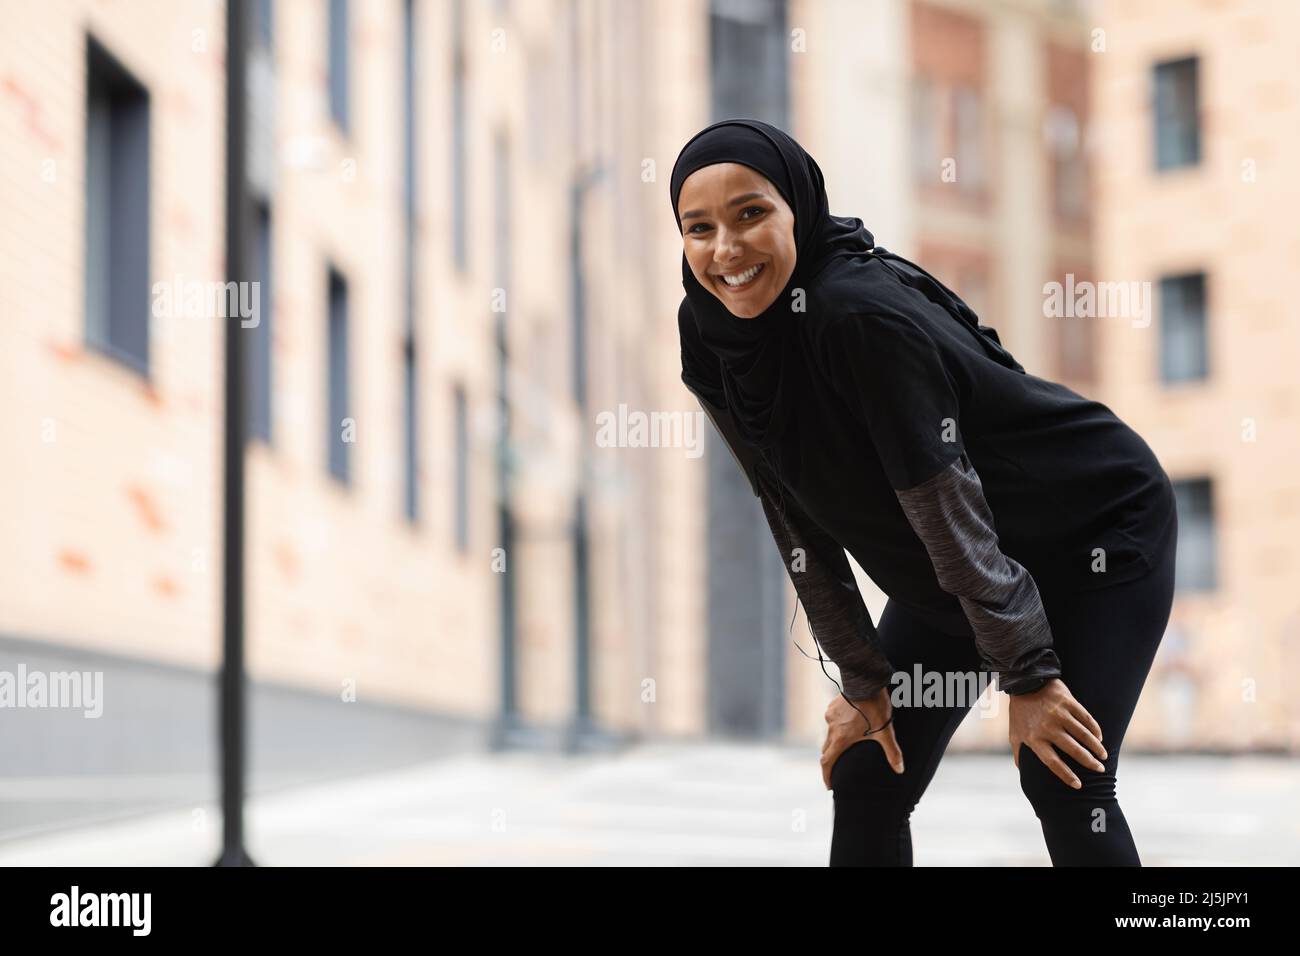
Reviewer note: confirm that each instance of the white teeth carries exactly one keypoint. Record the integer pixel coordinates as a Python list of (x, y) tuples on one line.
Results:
[(743, 277)]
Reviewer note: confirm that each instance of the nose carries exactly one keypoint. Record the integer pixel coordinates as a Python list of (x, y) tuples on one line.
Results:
[(728, 248)]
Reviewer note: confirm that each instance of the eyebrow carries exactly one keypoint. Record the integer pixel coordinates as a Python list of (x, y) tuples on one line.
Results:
[(735, 202)]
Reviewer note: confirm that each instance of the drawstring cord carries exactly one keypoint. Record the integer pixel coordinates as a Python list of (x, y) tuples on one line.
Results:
[(870, 730)]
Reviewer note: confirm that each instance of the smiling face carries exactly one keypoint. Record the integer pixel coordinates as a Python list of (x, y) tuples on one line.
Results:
[(733, 222)]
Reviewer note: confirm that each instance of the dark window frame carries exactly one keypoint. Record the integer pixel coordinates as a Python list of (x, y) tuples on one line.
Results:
[(338, 58), (1176, 123), (460, 464), (264, 24), (410, 209), (1197, 524), (259, 356), (117, 293), (1167, 331), (338, 379), (459, 140)]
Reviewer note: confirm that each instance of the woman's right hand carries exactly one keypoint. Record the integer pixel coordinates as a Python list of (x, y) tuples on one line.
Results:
[(845, 727)]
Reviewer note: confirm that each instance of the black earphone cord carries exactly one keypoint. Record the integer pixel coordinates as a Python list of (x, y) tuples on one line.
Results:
[(869, 731)]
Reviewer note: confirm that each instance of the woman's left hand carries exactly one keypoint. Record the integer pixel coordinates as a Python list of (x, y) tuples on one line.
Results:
[(1051, 717)]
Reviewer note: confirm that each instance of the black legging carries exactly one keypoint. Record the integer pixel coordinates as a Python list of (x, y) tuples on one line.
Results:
[(1106, 641)]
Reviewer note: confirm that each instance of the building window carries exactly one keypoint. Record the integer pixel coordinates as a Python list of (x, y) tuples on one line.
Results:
[(925, 131), (749, 66), (502, 264), (408, 112), (461, 427), (968, 138), (258, 354), (1069, 166), (410, 458), (410, 390), (1197, 561), (340, 432), (459, 138), (117, 210), (947, 124), (338, 62), (1177, 114), (1183, 334), (261, 100), (264, 23)]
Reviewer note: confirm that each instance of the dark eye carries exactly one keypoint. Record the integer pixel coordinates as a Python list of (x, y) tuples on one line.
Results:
[(758, 209)]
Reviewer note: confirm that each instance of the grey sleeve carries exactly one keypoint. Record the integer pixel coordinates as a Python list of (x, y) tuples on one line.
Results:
[(824, 581), (998, 595), (819, 570)]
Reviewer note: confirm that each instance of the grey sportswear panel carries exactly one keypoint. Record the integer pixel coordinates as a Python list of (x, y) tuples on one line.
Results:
[(952, 518)]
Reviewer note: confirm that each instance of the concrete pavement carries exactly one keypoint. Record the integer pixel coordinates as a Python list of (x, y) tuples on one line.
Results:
[(687, 804)]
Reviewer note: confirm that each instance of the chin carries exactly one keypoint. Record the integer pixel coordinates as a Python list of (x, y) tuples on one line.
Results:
[(731, 307), (751, 310)]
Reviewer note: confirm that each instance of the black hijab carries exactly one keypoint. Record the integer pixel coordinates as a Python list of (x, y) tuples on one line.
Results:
[(745, 364)]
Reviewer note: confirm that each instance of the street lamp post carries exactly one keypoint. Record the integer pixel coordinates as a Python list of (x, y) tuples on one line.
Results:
[(231, 700)]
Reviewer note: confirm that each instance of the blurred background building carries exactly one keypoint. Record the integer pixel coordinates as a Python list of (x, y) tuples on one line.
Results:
[(465, 254)]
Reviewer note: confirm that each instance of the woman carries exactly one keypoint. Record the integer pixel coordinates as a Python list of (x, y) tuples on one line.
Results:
[(872, 412)]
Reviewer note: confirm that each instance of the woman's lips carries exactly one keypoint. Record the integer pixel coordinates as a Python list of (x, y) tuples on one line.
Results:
[(741, 288)]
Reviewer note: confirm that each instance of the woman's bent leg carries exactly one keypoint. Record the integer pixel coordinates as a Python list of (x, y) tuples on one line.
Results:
[(1106, 641), (873, 804)]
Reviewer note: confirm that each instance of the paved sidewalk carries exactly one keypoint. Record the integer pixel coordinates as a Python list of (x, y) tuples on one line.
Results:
[(687, 805)]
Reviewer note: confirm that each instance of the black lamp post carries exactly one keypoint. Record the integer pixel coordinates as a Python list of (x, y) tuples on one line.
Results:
[(231, 699)]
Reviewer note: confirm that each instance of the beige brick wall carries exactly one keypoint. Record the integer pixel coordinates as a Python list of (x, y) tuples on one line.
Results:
[(110, 525), (1240, 232)]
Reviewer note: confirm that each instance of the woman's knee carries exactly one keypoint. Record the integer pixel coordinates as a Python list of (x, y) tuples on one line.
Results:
[(863, 768), (1045, 789), (863, 773)]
